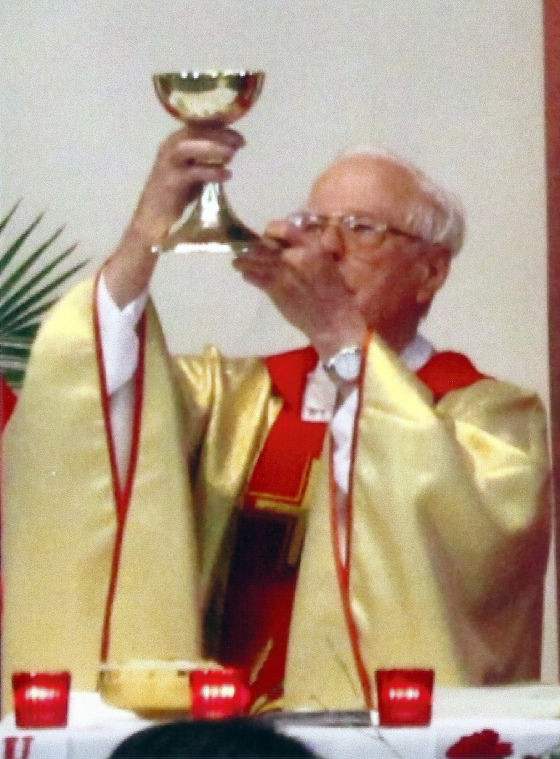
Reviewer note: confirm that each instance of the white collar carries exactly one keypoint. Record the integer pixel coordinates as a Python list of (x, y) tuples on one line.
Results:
[(320, 391)]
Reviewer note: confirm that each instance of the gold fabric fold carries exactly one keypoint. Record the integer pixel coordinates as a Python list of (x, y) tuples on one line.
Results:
[(228, 411), (449, 529)]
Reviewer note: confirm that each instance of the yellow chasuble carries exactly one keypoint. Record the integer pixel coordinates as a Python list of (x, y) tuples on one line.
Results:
[(447, 521), (79, 587)]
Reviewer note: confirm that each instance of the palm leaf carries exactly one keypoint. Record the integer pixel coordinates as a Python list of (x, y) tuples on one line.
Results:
[(23, 306), (13, 375), (24, 267), (16, 300), (16, 324), (15, 351), (24, 332), (29, 284), (27, 293), (8, 216), (7, 256)]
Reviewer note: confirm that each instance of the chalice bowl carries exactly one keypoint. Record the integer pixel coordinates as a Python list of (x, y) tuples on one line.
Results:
[(212, 98)]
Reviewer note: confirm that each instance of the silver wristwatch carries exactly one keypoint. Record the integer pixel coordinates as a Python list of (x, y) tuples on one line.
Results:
[(345, 366)]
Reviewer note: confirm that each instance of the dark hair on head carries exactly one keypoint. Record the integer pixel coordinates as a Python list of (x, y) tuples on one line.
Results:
[(235, 738)]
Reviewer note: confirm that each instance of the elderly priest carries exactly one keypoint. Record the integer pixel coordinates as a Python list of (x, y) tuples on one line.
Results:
[(310, 517)]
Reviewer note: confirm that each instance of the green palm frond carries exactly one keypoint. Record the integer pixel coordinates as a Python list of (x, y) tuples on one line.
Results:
[(29, 283)]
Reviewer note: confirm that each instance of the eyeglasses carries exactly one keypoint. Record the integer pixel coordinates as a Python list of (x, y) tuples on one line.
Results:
[(359, 229)]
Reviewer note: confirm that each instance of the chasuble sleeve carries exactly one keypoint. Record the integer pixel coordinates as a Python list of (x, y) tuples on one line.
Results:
[(450, 527), (94, 569), (500, 433)]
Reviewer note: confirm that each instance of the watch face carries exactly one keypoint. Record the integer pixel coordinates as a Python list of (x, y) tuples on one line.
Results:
[(345, 365), (348, 366)]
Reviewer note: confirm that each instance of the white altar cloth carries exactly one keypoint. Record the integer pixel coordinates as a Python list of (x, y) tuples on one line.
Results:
[(526, 717)]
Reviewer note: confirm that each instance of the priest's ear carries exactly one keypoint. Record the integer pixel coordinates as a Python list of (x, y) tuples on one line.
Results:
[(436, 260)]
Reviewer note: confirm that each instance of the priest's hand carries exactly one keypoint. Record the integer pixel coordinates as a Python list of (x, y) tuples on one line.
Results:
[(304, 282), (185, 161)]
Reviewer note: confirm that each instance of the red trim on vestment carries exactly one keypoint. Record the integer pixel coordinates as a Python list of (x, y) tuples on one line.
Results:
[(343, 567), (343, 575), (121, 495), (8, 400), (137, 417)]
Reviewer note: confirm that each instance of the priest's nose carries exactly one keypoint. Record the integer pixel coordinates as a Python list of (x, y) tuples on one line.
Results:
[(332, 241)]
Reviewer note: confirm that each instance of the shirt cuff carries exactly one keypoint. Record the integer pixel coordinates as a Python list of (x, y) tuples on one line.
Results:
[(119, 341)]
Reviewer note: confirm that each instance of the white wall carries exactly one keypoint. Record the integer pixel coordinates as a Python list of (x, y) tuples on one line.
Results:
[(454, 86)]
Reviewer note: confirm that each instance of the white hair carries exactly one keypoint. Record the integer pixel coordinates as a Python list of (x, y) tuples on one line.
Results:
[(434, 214)]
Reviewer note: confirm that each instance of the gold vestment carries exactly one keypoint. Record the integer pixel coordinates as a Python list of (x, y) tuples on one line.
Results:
[(448, 521)]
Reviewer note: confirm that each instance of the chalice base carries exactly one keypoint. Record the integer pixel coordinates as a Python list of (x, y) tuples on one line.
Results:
[(212, 227)]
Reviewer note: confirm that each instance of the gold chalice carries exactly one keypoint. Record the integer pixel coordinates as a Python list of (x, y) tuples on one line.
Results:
[(212, 98)]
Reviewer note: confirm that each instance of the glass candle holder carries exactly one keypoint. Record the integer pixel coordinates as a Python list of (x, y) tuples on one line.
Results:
[(41, 698), (218, 693), (404, 696)]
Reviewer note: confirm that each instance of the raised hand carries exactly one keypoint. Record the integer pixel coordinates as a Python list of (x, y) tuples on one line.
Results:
[(304, 282), (184, 162)]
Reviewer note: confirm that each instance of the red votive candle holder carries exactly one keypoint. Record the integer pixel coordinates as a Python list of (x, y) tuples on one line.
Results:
[(404, 696), (41, 698), (218, 693)]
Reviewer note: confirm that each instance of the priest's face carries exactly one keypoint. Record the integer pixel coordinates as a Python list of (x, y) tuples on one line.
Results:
[(357, 212)]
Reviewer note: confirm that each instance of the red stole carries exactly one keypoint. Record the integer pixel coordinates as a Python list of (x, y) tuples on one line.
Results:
[(263, 575), (448, 371)]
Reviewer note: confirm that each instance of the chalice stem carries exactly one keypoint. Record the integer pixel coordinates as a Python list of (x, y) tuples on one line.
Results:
[(212, 227), (212, 207)]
